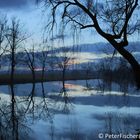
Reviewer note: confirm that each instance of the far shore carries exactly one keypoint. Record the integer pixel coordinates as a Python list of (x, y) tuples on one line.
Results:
[(55, 75)]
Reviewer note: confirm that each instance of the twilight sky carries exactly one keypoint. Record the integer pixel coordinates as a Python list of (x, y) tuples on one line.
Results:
[(27, 12), (13, 4), (32, 17)]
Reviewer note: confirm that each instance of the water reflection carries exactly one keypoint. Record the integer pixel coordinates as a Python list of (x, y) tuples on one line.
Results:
[(17, 114), (12, 119), (65, 117)]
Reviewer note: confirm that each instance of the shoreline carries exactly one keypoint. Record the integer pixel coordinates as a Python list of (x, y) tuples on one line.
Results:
[(56, 75)]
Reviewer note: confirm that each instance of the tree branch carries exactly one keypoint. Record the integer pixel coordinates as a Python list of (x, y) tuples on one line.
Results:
[(87, 26)]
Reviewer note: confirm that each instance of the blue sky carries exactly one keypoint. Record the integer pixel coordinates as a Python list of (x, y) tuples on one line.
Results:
[(32, 17), (27, 12)]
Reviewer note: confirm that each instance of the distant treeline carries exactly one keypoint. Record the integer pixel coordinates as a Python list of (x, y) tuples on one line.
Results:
[(108, 75)]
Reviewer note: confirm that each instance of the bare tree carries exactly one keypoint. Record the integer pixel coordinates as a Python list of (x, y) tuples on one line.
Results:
[(31, 63), (62, 58), (43, 60), (114, 20), (3, 30), (63, 62), (15, 39), (88, 69)]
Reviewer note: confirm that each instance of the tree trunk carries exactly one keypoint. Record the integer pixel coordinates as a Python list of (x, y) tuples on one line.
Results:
[(63, 78), (137, 76), (133, 62), (42, 80)]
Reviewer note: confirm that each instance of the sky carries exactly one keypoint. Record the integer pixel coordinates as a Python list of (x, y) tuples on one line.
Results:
[(32, 17), (27, 12)]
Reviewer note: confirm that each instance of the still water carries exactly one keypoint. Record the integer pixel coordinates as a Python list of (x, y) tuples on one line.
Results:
[(73, 112)]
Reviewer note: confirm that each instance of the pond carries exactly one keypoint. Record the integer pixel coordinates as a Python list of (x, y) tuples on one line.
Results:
[(49, 111)]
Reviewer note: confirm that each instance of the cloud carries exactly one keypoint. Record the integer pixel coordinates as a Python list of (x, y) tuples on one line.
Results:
[(59, 37), (14, 4)]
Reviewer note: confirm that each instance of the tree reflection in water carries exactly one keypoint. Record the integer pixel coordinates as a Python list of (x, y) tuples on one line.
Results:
[(12, 119), (19, 112), (16, 113), (65, 105)]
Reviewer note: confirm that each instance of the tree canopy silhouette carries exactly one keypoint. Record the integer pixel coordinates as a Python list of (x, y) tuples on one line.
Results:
[(114, 20)]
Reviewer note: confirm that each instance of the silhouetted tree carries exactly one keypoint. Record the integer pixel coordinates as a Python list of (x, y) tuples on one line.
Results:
[(64, 59), (15, 38), (30, 61), (3, 30), (88, 68), (43, 61), (63, 64), (114, 20)]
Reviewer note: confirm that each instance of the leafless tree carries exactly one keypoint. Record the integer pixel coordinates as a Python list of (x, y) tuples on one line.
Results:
[(64, 59), (43, 61), (114, 20), (30, 62), (3, 30), (62, 62), (14, 39), (88, 68), (123, 80), (106, 72)]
